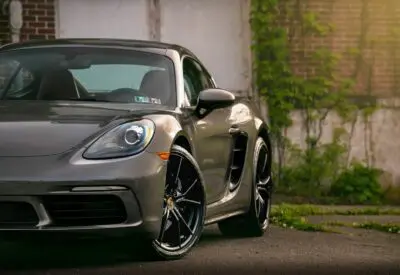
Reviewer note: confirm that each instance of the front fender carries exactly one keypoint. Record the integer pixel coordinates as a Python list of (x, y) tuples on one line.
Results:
[(166, 131)]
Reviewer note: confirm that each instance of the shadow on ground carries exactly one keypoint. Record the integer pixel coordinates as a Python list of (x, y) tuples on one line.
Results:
[(36, 254)]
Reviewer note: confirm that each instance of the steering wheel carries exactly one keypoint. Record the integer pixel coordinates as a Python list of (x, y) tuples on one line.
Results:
[(124, 95)]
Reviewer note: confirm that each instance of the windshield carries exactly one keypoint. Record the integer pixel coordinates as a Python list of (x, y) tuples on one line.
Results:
[(87, 74)]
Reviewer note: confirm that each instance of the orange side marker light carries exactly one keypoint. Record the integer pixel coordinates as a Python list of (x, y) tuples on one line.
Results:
[(163, 155)]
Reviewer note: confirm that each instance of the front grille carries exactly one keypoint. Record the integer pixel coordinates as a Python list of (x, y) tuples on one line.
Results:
[(17, 214), (84, 210)]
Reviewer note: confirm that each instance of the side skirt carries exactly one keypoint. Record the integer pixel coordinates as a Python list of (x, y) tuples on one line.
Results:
[(216, 219)]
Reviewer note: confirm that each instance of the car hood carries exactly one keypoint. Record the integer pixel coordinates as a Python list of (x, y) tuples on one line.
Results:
[(43, 128)]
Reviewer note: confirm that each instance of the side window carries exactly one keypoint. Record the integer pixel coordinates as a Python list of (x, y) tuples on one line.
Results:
[(196, 79), (21, 78)]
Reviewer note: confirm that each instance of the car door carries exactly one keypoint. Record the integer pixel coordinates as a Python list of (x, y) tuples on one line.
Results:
[(212, 140)]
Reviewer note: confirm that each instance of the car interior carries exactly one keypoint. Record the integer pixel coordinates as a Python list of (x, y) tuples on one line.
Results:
[(58, 83)]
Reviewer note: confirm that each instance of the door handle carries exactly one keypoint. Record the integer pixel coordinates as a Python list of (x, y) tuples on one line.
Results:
[(234, 130)]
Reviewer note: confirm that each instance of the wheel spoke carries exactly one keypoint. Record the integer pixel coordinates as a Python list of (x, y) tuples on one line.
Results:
[(264, 182), (262, 188), (188, 201), (262, 202), (179, 216), (259, 204), (262, 163), (179, 170), (179, 231), (190, 188), (265, 162), (164, 224)]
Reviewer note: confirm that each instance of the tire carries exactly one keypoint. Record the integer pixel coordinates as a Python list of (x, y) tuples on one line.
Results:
[(256, 221), (184, 207)]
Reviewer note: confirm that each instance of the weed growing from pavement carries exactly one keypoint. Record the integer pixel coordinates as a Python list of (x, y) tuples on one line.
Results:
[(312, 210), (294, 217), (299, 223), (288, 217), (388, 227)]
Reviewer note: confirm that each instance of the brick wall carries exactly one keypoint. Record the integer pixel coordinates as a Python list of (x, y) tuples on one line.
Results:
[(39, 21), (365, 26)]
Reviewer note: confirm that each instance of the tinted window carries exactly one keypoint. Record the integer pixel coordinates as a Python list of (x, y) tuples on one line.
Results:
[(106, 77), (14, 77), (196, 79), (86, 73)]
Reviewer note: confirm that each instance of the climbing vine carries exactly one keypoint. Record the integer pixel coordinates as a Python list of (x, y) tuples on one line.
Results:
[(272, 71), (282, 31)]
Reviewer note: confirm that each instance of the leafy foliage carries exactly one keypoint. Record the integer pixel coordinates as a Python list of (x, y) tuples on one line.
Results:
[(316, 94), (359, 184)]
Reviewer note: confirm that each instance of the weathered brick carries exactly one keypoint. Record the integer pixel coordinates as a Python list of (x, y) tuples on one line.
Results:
[(378, 72), (39, 21), (35, 24), (35, 11)]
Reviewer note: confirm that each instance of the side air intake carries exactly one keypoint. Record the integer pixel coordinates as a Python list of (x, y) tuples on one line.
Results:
[(237, 160)]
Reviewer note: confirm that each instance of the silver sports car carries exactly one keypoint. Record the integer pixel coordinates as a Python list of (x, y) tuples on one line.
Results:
[(103, 136)]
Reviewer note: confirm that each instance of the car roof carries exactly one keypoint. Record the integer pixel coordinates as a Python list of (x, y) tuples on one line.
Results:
[(144, 45)]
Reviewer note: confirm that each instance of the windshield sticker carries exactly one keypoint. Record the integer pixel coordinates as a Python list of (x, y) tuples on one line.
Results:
[(155, 100), (142, 99), (145, 99)]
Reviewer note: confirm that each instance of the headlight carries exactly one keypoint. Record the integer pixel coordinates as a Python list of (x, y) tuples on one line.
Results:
[(124, 140)]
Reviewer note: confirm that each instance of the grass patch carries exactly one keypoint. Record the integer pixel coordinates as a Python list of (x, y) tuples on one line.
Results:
[(299, 223), (388, 228), (294, 217), (310, 210), (391, 198), (287, 218)]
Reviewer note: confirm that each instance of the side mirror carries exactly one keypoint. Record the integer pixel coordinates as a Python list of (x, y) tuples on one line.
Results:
[(211, 99)]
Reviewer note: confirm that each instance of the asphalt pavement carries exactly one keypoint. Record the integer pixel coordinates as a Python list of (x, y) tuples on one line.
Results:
[(280, 251)]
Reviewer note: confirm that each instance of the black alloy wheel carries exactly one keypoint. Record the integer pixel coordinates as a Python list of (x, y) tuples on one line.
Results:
[(255, 222), (262, 186), (184, 207)]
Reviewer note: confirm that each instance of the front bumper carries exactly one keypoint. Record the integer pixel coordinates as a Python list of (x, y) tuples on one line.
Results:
[(110, 197)]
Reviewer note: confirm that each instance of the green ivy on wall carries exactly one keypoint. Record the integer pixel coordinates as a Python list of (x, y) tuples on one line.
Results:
[(317, 93)]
